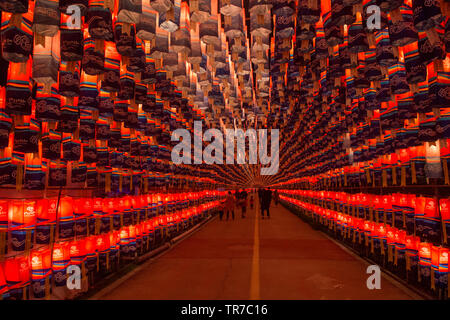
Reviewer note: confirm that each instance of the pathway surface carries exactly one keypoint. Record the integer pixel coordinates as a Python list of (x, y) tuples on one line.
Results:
[(277, 258)]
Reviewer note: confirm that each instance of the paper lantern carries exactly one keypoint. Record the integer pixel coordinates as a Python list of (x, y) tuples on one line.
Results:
[(18, 26), (41, 266), (22, 221), (90, 246), (3, 284), (60, 262), (66, 218), (4, 210), (18, 275), (46, 220)]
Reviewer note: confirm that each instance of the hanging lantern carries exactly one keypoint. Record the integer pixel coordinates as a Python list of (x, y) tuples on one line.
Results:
[(17, 25), (424, 273), (60, 262), (65, 217), (100, 20), (46, 221), (4, 210), (22, 221), (439, 268), (41, 267), (3, 283), (18, 275)]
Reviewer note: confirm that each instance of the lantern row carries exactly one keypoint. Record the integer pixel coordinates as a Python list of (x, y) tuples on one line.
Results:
[(123, 51), (424, 163), (350, 84), (420, 262), (128, 228), (28, 222)]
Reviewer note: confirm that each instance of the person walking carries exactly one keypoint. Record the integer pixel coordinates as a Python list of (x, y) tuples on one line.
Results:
[(243, 202), (230, 204), (265, 202), (276, 197), (260, 195)]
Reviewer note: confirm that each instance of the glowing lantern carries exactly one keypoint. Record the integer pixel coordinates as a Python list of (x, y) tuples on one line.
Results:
[(103, 247), (4, 209), (65, 215), (46, 220), (60, 262), (17, 274), (41, 267), (412, 253), (127, 211), (444, 205), (82, 209), (3, 284), (425, 263), (22, 221), (91, 254), (439, 267)]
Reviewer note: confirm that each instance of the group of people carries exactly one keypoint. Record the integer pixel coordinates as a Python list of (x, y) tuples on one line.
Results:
[(241, 199)]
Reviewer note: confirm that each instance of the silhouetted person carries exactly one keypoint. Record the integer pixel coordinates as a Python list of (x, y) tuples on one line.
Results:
[(276, 197), (260, 195), (229, 204), (265, 202), (243, 202)]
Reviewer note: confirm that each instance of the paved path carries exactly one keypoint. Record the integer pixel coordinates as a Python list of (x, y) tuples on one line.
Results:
[(251, 258)]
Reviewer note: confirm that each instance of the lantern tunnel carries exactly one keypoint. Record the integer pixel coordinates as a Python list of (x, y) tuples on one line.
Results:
[(224, 149)]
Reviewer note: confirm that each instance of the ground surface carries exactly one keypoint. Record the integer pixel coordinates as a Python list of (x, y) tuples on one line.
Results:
[(277, 258)]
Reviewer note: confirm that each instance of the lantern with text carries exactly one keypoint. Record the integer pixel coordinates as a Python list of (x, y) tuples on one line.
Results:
[(22, 221), (41, 271)]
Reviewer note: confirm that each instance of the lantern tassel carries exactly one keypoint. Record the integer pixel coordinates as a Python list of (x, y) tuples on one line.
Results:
[(413, 172), (403, 176), (108, 182), (47, 288), (2, 244), (368, 175), (433, 286), (52, 228), (408, 263), (19, 177), (444, 232), (97, 225), (419, 276), (384, 177), (24, 293), (394, 175), (27, 241), (445, 165), (107, 261)]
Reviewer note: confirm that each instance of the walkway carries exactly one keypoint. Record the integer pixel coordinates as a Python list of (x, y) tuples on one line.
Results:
[(251, 258)]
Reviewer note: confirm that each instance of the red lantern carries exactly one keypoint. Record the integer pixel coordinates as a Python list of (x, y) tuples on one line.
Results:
[(3, 284), (4, 208), (17, 274), (60, 262), (22, 221), (77, 252), (41, 263)]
